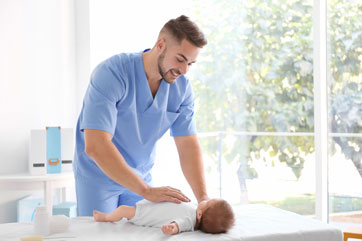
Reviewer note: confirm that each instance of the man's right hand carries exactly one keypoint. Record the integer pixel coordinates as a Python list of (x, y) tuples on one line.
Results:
[(165, 194)]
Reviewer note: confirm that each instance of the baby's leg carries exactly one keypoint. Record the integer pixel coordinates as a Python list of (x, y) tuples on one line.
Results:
[(99, 216), (121, 212)]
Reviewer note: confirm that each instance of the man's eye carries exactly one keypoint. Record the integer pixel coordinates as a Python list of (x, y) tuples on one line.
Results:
[(179, 60)]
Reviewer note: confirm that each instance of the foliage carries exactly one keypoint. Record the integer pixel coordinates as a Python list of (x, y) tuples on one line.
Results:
[(256, 74), (305, 205), (345, 31)]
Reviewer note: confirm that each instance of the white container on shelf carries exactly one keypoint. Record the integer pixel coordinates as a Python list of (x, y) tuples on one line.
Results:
[(41, 221), (67, 147), (37, 153)]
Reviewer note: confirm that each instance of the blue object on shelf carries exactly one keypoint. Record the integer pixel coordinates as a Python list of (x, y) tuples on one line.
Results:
[(26, 208), (53, 140), (68, 209)]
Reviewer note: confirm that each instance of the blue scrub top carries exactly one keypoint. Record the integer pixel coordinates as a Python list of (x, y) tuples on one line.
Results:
[(119, 101)]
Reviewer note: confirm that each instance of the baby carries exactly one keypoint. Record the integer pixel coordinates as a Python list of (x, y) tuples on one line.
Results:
[(211, 216)]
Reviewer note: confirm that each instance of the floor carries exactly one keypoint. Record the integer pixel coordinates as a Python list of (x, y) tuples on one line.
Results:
[(344, 221)]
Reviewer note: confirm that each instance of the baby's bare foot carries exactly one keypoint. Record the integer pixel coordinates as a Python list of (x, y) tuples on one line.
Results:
[(99, 217)]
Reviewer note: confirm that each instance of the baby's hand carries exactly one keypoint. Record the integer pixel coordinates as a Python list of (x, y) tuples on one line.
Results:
[(170, 229)]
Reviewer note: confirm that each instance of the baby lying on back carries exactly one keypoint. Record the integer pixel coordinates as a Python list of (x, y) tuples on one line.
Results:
[(211, 216)]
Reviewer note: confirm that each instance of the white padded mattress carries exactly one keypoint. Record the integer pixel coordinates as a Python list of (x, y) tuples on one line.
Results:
[(254, 222)]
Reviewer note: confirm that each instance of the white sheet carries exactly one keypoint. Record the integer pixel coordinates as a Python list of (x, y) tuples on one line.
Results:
[(255, 222)]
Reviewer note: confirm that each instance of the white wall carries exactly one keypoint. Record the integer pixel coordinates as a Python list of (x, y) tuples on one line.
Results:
[(132, 26), (37, 80)]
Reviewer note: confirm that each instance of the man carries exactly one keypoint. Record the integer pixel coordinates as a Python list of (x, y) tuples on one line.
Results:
[(131, 101)]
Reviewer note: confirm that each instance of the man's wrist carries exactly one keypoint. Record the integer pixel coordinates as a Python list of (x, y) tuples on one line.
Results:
[(146, 189), (203, 198)]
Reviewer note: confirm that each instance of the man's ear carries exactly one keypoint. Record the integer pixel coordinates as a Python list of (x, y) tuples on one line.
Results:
[(161, 44)]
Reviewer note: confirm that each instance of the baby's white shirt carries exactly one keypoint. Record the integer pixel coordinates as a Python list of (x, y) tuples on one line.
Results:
[(158, 214)]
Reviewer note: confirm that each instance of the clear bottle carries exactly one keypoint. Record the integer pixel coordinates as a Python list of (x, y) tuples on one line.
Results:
[(41, 221)]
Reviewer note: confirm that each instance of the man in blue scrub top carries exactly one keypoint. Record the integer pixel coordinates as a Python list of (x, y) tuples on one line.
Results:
[(131, 101)]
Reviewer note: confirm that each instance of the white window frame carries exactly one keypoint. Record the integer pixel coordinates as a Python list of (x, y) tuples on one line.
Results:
[(320, 107)]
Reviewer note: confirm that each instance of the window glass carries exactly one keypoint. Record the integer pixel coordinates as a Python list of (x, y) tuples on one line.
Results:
[(345, 110)]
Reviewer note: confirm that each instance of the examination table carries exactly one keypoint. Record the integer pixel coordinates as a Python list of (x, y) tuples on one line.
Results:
[(254, 222)]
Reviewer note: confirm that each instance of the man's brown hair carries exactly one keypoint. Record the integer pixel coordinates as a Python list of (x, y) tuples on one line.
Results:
[(218, 218), (182, 28)]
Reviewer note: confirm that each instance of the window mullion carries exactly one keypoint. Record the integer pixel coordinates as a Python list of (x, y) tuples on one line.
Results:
[(320, 107)]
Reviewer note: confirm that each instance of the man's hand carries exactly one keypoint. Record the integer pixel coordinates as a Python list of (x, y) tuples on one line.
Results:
[(165, 194), (170, 229)]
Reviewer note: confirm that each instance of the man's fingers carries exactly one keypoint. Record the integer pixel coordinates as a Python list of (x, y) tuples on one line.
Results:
[(174, 193), (175, 189), (161, 194), (178, 194), (172, 199)]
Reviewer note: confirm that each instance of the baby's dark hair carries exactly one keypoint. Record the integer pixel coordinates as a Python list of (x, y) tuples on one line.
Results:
[(218, 218)]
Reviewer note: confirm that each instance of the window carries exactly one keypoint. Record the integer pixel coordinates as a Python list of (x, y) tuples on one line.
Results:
[(254, 88), (345, 110)]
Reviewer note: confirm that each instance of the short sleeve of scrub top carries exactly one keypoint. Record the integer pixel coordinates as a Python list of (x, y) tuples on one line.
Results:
[(99, 107), (184, 125)]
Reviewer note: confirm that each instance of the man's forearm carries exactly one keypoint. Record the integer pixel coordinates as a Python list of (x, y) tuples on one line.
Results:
[(192, 168), (111, 162), (192, 165)]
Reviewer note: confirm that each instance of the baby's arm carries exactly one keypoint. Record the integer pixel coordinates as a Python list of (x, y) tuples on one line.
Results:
[(121, 212), (170, 229)]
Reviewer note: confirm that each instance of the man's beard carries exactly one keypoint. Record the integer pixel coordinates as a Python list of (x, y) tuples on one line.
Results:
[(162, 71)]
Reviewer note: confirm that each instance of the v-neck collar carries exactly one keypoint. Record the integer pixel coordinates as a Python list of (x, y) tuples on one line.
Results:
[(152, 104)]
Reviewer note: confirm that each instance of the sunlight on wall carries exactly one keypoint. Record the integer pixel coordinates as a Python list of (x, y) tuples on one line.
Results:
[(132, 26)]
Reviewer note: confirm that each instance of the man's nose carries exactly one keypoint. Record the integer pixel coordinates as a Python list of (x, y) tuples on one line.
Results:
[(184, 68)]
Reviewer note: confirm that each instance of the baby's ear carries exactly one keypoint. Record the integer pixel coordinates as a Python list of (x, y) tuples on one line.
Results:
[(198, 214)]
